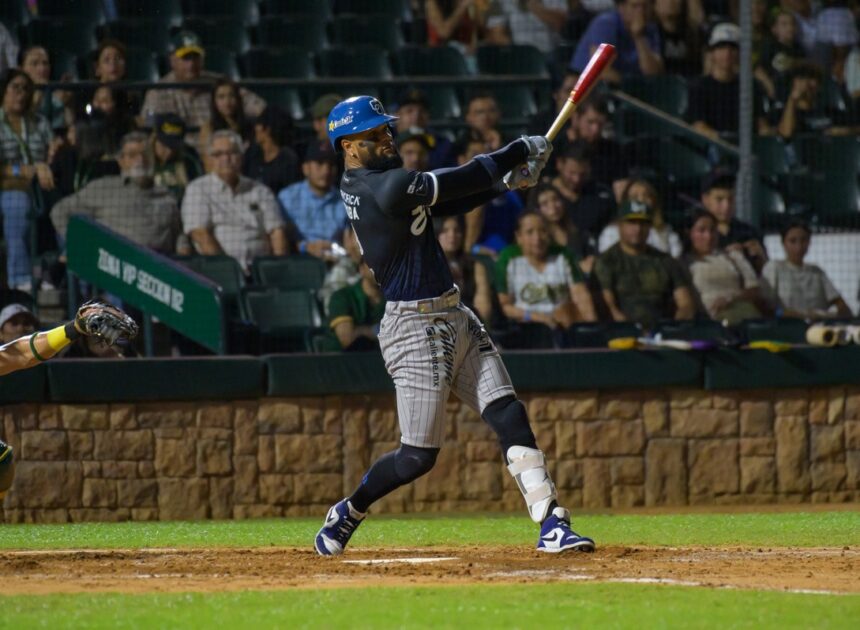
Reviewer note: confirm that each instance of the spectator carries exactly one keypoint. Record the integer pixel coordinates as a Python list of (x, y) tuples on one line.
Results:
[(8, 50), (313, 206), (25, 143), (590, 205), (780, 52), (661, 235), (458, 23), (527, 22), (678, 24), (802, 111), (226, 213), (718, 198), (58, 108), (413, 114), (802, 11), (89, 154), (128, 203), (319, 114), (835, 35), (482, 120), (469, 275), (110, 66), (803, 289), (193, 105), (546, 201), (16, 320), (545, 117), (725, 281), (227, 112), (638, 282), (270, 159), (114, 105), (355, 312), (176, 163), (631, 30), (414, 148), (852, 75), (344, 271), (539, 283)]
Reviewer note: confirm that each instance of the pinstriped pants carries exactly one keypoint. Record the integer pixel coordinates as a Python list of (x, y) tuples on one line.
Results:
[(431, 353)]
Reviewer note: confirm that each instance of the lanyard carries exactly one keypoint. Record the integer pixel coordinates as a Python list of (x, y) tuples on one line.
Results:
[(22, 139)]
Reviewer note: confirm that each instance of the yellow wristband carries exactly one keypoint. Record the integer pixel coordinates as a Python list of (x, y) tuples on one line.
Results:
[(57, 338)]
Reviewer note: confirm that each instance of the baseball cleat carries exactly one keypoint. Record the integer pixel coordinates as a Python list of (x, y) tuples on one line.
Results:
[(556, 534), (340, 523)]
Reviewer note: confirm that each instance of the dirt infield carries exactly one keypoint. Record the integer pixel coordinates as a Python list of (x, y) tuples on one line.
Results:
[(832, 570)]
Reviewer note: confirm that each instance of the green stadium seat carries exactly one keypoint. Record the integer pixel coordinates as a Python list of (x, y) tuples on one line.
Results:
[(667, 92), (392, 9), (773, 156), (244, 11), (423, 61), (74, 34), (321, 10), (13, 15), (303, 31), (92, 10), (283, 317), (141, 65), (152, 34), (444, 103), (166, 11), (226, 273), (283, 63), (830, 153), (366, 30), (287, 98), (299, 271), (769, 205), (515, 100), (786, 329), (681, 163), (836, 202), (224, 32), (63, 62), (221, 60), (514, 59), (359, 61)]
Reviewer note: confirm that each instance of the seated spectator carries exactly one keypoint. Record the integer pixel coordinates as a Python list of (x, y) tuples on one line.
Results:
[(805, 18), (661, 236), (57, 109), (89, 154), (313, 206), (8, 50), (631, 29), (109, 66), (638, 282), (319, 114), (803, 289), (226, 213), (344, 271), (458, 23), (803, 113), (193, 105), (129, 203), (469, 275), (725, 281), (270, 159), (678, 23), (540, 283), (835, 35), (718, 198), (414, 148), (355, 312), (780, 52), (546, 201), (226, 112), (114, 105), (590, 205), (25, 142), (534, 23), (16, 320), (482, 120), (176, 163), (413, 114), (713, 108)]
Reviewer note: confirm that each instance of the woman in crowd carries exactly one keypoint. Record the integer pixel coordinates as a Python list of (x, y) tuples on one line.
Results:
[(228, 112), (25, 144), (469, 275), (458, 23), (109, 66), (541, 283), (270, 159), (58, 108), (725, 281), (661, 237), (88, 155), (546, 201), (803, 289)]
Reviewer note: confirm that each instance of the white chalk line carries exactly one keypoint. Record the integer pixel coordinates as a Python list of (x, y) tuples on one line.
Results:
[(399, 561)]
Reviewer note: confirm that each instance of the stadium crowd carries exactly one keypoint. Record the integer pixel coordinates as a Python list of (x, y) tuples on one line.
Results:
[(198, 165)]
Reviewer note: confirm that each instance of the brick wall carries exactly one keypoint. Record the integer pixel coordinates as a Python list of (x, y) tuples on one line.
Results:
[(284, 457)]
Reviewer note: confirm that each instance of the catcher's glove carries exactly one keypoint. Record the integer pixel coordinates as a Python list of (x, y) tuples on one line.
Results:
[(98, 319)]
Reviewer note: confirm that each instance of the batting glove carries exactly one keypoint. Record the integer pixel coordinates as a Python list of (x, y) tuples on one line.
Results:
[(525, 175), (539, 147)]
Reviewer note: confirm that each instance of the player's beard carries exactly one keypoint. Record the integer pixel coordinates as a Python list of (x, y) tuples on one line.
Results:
[(384, 162)]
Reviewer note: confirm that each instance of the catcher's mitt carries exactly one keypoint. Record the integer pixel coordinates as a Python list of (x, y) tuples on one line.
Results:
[(98, 319)]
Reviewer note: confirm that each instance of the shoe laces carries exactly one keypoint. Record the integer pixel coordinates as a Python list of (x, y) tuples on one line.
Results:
[(345, 529)]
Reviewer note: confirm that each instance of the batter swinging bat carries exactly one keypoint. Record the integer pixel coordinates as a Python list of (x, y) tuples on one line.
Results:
[(601, 58)]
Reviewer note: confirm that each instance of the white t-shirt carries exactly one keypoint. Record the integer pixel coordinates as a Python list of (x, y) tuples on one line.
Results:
[(722, 275), (804, 289), (539, 291), (525, 26)]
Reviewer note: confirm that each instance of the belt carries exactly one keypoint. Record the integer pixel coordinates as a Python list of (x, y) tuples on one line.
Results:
[(449, 299)]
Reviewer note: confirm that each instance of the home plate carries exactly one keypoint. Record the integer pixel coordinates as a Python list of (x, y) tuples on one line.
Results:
[(399, 560)]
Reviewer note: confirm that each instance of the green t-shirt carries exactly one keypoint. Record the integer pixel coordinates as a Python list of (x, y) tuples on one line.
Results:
[(643, 285), (513, 251), (351, 302)]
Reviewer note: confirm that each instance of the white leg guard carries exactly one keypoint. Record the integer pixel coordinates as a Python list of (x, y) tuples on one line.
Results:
[(528, 468)]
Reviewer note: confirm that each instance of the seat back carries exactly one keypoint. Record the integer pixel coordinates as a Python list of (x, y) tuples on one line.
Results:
[(277, 310), (72, 34), (358, 61), (669, 93), (284, 63), (224, 32), (422, 61), (300, 31), (366, 30), (320, 10), (243, 11), (221, 60), (293, 272), (513, 59), (226, 273), (151, 34)]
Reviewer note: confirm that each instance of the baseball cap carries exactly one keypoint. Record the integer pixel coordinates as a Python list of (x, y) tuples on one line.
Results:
[(635, 211), (320, 151), (324, 104), (413, 96), (724, 33), (718, 178), (184, 43), (415, 133), (9, 311), (170, 130)]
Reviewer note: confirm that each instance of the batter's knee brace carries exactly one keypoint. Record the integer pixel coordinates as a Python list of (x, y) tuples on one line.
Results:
[(7, 468), (508, 418), (410, 462)]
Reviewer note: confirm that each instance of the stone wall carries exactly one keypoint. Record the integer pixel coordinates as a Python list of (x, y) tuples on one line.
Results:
[(284, 457)]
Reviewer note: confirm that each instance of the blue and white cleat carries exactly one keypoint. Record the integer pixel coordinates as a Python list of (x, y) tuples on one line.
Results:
[(340, 524), (556, 534)]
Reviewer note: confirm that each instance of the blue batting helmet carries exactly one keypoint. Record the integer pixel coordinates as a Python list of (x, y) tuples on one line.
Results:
[(355, 115)]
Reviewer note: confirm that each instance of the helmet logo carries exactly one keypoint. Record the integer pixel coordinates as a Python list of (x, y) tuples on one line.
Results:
[(376, 106), (340, 122)]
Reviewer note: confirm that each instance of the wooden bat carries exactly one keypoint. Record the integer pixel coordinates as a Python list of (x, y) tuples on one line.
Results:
[(601, 58)]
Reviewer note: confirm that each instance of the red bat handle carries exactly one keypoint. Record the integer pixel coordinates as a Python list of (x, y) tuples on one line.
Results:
[(601, 58)]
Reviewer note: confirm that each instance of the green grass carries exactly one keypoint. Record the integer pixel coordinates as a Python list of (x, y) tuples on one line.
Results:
[(500, 606), (802, 529)]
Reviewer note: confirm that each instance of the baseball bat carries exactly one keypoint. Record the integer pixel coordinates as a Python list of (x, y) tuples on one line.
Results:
[(601, 58)]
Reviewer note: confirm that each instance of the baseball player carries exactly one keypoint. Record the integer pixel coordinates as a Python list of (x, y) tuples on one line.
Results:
[(93, 319), (433, 344)]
